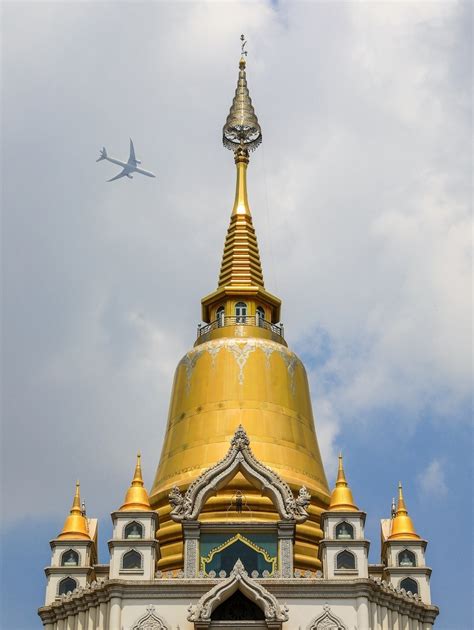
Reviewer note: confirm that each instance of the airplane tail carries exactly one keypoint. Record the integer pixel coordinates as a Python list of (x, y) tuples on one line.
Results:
[(103, 154)]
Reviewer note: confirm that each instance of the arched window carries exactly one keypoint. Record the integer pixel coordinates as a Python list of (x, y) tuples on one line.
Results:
[(70, 558), (409, 585), (132, 560), (133, 530), (67, 586), (406, 558), (344, 531), (345, 560), (220, 316), (260, 316), (240, 312)]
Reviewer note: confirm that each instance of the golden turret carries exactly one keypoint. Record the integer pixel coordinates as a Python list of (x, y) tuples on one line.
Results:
[(402, 525), (75, 525), (341, 497), (240, 371), (136, 498)]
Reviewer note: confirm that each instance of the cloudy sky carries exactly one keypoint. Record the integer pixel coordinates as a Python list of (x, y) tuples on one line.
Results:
[(361, 200)]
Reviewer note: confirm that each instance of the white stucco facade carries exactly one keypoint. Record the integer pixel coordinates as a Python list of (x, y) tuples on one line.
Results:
[(348, 594)]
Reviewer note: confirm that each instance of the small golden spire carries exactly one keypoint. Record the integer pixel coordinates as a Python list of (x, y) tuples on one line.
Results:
[(341, 497), (136, 499), (402, 525), (75, 525)]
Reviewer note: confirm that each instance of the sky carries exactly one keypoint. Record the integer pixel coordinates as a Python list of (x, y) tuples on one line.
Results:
[(361, 198)]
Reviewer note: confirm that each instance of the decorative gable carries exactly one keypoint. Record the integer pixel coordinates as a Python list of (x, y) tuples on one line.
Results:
[(239, 458)]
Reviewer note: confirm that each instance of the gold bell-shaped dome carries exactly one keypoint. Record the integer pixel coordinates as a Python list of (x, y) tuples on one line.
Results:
[(240, 371), (402, 525), (341, 497), (136, 499), (75, 525)]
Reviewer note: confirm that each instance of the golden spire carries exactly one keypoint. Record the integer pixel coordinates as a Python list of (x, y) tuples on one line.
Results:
[(341, 497), (241, 264), (75, 525), (402, 525), (136, 499)]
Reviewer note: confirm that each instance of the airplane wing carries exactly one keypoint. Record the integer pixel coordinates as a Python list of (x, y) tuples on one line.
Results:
[(132, 160), (122, 174)]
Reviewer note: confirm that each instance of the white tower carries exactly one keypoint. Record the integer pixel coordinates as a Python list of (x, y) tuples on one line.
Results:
[(403, 553), (344, 550), (134, 549), (74, 552)]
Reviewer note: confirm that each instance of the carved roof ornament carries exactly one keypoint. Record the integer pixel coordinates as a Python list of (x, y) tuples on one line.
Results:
[(239, 458), (150, 621), (238, 580), (326, 621), (242, 130)]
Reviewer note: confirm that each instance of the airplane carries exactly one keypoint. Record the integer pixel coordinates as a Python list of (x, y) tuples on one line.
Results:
[(128, 167)]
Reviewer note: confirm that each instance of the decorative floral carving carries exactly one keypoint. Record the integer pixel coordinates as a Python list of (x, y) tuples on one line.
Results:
[(150, 621), (189, 361), (240, 349), (291, 360), (327, 621), (241, 352), (238, 579), (239, 458)]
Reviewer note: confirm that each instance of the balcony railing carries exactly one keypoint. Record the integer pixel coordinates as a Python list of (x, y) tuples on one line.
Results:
[(247, 320)]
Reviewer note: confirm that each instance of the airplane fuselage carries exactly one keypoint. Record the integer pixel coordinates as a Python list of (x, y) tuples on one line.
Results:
[(129, 168)]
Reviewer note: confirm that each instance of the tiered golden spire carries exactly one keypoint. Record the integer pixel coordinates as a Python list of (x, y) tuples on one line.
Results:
[(402, 525), (241, 264), (241, 260), (136, 499), (75, 525), (341, 497), (241, 269)]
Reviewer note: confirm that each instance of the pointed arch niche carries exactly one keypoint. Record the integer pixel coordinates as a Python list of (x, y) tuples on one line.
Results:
[(238, 598), (186, 508)]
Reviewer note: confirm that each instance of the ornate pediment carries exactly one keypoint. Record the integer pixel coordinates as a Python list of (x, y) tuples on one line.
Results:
[(238, 580), (239, 458), (327, 621), (150, 621)]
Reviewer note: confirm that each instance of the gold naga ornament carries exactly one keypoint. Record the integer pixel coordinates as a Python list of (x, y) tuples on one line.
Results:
[(240, 372)]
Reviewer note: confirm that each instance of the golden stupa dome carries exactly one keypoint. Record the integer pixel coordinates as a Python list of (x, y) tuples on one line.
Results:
[(240, 371), (75, 525), (136, 498), (402, 525), (341, 497)]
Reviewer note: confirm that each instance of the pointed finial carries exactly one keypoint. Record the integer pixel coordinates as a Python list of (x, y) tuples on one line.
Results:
[(75, 525), (136, 498), (243, 52), (402, 525), (341, 497), (242, 130), (393, 509)]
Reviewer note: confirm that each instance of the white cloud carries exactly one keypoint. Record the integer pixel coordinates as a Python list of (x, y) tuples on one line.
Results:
[(360, 195), (432, 480)]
